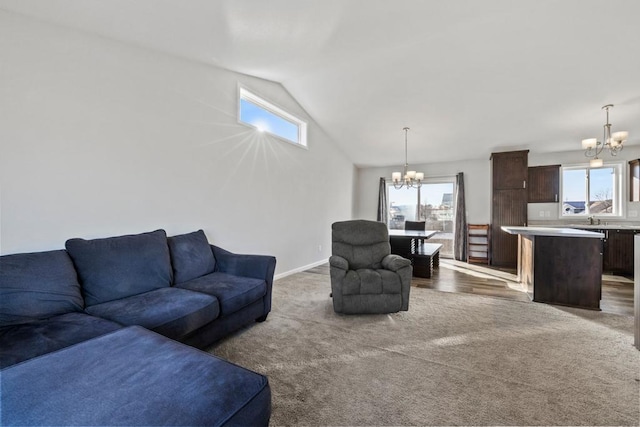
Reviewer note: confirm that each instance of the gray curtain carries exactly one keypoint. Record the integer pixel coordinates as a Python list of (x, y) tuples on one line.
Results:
[(382, 201), (460, 236)]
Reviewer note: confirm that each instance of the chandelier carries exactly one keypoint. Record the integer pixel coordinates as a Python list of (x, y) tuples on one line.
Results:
[(408, 178), (614, 142)]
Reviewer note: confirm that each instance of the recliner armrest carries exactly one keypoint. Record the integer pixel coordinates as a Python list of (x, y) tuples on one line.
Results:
[(394, 262), (338, 262)]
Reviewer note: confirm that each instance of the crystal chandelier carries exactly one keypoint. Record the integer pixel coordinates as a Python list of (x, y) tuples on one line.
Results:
[(614, 142), (408, 178)]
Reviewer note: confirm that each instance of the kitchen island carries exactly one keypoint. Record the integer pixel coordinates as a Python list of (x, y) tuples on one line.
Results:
[(560, 265)]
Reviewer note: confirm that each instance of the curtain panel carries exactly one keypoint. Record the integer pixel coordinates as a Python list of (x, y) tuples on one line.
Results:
[(383, 215), (460, 221)]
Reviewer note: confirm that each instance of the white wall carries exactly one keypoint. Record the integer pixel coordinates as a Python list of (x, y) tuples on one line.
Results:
[(477, 180), (477, 186), (100, 138)]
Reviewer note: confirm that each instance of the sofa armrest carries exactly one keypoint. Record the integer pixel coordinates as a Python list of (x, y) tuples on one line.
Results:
[(394, 262), (254, 266), (338, 262)]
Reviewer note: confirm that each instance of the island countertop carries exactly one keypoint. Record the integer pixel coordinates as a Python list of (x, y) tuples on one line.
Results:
[(551, 232), (560, 265), (607, 226)]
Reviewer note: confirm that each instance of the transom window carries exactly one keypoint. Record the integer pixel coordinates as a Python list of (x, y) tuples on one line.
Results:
[(266, 117), (590, 191)]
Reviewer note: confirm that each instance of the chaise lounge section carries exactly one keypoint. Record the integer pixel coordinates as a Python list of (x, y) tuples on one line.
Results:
[(144, 290), (133, 377)]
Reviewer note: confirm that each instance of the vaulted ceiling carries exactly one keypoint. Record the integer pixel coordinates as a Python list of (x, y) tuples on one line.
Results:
[(467, 76)]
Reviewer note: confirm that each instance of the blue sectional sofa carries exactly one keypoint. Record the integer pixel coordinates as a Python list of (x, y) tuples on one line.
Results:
[(95, 334)]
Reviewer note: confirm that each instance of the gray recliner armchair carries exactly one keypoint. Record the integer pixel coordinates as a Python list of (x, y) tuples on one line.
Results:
[(365, 276)]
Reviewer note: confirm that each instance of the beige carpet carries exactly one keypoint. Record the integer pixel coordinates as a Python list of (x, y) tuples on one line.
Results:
[(452, 359)]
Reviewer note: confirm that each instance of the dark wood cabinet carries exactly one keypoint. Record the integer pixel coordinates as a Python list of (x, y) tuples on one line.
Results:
[(509, 207), (562, 270), (618, 251), (634, 180), (509, 171), (544, 184)]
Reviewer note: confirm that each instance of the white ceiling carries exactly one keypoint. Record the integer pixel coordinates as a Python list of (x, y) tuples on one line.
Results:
[(467, 76)]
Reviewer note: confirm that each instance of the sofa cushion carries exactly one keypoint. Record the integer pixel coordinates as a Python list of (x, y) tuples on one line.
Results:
[(171, 312), (36, 286), (119, 267), (29, 340), (191, 256), (133, 377), (233, 292)]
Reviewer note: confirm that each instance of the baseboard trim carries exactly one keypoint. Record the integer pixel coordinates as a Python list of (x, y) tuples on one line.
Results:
[(299, 269)]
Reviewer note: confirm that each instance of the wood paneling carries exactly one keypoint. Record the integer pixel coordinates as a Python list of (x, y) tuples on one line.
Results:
[(509, 204), (567, 271), (509, 207), (525, 267), (618, 251)]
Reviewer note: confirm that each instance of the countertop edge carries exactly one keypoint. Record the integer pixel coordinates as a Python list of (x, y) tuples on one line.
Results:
[(551, 232)]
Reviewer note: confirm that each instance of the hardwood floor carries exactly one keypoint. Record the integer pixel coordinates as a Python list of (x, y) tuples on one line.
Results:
[(456, 276)]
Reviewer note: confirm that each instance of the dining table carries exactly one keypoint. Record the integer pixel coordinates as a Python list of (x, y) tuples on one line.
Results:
[(405, 242)]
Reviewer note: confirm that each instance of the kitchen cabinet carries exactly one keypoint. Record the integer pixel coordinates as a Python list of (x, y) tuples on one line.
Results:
[(509, 207), (618, 251), (560, 266), (509, 173), (544, 184), (634, 180), (510, 170)]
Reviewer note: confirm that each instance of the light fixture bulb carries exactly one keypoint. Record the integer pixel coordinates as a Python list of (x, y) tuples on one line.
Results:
[(620, 137)]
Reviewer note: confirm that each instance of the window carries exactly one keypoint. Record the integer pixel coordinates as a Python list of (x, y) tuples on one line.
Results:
[(590, 191), (434, 204), (266, 117)]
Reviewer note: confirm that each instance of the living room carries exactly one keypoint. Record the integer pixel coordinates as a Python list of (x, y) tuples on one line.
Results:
[(104, 136)]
